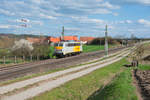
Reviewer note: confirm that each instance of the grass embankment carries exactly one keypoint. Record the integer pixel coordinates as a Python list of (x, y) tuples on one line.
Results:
[(84, 87), (120, 88)]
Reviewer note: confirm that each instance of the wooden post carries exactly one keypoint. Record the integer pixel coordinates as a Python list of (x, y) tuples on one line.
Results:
[(15, 59), (30, 57), (4, 59), (23, 58), (37, 57)]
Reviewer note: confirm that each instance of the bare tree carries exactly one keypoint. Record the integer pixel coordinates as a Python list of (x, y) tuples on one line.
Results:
[(138, 53)]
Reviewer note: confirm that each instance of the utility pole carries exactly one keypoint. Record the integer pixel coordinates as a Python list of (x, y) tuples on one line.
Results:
[(62, 33), (106, 43)]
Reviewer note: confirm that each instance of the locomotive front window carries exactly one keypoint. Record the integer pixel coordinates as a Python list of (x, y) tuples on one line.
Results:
[(61, 44), (56, 44)]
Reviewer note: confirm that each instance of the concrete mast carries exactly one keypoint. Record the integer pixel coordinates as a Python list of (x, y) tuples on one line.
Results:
[(62, 33), (106, 42)]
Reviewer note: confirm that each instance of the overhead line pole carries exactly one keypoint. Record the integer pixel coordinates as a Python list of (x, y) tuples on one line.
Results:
[(106, 42), (63, 33)]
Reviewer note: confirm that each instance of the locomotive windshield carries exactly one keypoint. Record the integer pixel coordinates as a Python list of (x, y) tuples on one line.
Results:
[(58, 44)]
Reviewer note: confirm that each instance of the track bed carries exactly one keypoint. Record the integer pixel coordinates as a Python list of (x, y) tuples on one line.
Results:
[(43, 66)]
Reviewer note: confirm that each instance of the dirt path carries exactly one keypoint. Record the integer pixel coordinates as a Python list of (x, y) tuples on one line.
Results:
[(135, 83), (143, 83), (31, 92)]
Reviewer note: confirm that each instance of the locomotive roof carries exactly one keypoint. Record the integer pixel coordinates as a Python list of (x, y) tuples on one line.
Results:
[(69, 42)]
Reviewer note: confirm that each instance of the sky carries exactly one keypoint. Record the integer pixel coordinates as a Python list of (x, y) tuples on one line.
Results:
[(79, 17)]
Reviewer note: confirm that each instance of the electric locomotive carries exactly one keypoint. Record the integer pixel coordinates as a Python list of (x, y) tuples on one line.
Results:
[(63, 48)]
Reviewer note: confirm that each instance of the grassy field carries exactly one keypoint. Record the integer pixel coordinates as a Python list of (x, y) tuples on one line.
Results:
[(83, 88), (91, 48)]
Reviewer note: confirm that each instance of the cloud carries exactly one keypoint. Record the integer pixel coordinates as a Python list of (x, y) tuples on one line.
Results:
[(37, 22), (108, 5), (51, 9), (46, 16), (6, 12), (4, 26), (37, 1), (147, 2), (144, 22), (9, 26), (87, 20), (124, 22), (133, 2), (128, 21), (115, 14), (98, 11)]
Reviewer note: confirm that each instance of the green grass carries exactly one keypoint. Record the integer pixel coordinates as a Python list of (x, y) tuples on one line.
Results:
[(52, 49), (144, 67), (91, 48), (12, 61), (120, 88), (82, 88)]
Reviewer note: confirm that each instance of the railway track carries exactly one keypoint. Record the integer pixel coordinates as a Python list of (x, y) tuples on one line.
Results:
[(11, 72)]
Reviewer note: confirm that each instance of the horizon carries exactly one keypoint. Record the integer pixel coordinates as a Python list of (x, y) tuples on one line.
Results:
[(82, 18)]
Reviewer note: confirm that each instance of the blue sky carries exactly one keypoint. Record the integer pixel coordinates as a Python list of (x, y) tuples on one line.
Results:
[(79, 17)]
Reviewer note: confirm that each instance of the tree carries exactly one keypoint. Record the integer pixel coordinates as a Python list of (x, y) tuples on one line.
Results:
[(41, 51), (22, 48)]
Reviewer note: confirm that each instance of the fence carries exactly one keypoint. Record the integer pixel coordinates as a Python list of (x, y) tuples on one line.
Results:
[(7, 60)]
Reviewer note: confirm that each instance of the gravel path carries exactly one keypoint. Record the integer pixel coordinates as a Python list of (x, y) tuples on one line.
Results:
[(31, 92)]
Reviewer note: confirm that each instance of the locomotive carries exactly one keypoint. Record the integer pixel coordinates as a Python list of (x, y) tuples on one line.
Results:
[(63, 49)]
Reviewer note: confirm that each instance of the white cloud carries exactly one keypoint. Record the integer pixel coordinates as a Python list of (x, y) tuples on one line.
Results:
[(38, 1), (6, 12), (143, 1), (115, 14), (37, 22), (144, 22), (100, 11), (108, 5), (4, 26), (9, 26), (46, 16), (87, 20), (72, 29), (128, 21), (124, 22)]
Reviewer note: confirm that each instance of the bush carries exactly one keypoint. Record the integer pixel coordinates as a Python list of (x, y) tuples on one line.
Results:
[(101, 41), (42, 51)]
